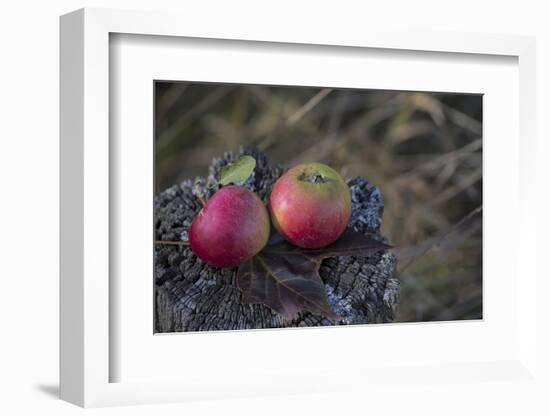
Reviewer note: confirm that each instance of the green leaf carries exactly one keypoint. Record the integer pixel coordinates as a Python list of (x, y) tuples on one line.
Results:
[(286, 278), (238, 171)]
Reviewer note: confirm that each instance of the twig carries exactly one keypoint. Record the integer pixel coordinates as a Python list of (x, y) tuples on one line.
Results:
[(173, 243), (456, 189), (443, 160), (463, 120), (307, 107), (440, 239), (175, 129), (201, 200), (169, 98)]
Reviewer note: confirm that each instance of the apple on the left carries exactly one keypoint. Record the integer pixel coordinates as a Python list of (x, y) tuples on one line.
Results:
[(232, 227)]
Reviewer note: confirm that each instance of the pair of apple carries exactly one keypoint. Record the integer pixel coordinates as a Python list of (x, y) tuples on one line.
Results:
[(310, 206)]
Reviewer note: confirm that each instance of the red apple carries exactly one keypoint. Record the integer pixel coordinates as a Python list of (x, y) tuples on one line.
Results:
[(310, 205), (232, 227)]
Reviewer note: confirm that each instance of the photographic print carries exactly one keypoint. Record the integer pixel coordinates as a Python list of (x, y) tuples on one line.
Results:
[(293, 206)]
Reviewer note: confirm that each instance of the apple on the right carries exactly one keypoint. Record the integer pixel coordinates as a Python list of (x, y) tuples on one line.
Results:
[(310, 205)]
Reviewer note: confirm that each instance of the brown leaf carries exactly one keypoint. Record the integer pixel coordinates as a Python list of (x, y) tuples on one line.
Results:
[(286, 277)]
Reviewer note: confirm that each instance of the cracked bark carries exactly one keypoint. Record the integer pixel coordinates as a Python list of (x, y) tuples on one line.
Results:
[(192, 296)]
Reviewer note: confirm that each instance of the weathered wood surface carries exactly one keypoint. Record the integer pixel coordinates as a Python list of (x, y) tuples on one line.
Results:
[(192, 296)]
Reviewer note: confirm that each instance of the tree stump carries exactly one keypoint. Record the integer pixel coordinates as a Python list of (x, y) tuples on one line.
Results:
[(193, 296)]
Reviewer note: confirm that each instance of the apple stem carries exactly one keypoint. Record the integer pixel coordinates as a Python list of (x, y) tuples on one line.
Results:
[(312, 177), (173, 243)]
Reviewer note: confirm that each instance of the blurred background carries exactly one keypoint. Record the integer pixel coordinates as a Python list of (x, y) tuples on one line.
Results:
[(423, 150)]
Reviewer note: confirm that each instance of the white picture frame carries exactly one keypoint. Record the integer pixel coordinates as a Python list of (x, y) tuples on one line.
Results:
[(86, 349)]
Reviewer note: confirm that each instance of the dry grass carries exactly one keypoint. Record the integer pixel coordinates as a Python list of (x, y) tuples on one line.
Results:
[(424, 150)]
